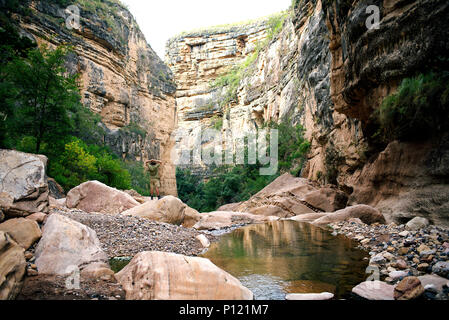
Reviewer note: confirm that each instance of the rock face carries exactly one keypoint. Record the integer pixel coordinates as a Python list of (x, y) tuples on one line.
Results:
[(94, 196), (366, 214), (288, 196), (122, 78), (406, 179), (282, 198), (168, 209), (169, 276), (23, 183), (325, 71), (23, 231), (197, 59), (361, 74), (12, 267), (191, 217), (65, 245), (290, 79)]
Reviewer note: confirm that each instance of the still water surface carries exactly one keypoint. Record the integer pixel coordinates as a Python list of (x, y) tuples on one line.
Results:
[(282, 257)]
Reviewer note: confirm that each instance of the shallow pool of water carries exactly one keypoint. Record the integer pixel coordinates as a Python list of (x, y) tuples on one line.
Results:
[(282, 257)]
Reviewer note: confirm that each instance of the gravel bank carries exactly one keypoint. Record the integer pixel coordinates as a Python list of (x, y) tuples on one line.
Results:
[(125, 236), (399, 252)]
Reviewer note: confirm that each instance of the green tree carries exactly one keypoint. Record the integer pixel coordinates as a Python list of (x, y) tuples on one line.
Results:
[(44, 95)]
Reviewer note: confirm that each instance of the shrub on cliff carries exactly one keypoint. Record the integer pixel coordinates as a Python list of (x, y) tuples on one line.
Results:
[(418, 110)]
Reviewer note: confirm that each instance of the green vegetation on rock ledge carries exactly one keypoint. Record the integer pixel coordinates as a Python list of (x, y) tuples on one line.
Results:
[(231, 80), (418, 110)]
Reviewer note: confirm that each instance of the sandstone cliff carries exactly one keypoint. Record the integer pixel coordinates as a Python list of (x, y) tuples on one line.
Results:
[(326, 70), (402, 179), (122, 78)]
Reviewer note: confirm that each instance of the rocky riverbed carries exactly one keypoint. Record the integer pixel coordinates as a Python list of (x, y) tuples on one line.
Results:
[(125, 236), (398, 252)]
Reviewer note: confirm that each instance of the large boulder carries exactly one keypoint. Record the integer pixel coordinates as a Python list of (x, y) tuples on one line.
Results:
[(169, 276), (327, 199), (12, 267), (230, 206), (66, 244), (191, 217), (374, 290), (24, 231), (224, 219), (94, 196), (366, 214), (168, 209), (308, 217), (23, 187), (282, 197), (270, 210)]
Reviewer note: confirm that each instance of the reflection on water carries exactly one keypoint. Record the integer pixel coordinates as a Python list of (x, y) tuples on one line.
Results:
[(290, 257)]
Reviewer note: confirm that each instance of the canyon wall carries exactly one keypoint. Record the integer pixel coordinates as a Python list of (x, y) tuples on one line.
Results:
[(327, 71), (122, 78), (197, 59), (402, 179), (289, 81)]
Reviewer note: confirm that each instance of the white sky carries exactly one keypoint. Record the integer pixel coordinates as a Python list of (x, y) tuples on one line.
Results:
[(161, 19)]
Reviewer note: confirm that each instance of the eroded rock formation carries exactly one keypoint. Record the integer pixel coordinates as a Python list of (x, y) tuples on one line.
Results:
[(122, 78), (327, 71)]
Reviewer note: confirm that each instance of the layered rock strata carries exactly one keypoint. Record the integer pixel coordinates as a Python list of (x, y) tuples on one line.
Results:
[(122, 78)]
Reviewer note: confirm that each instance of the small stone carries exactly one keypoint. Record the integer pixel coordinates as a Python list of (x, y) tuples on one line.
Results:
[(441, 268), (423, 266), (423, 248), (397, 274), (390, 249), (378, 258), (403, 251), (417, 223), (32, 272), (409, 288), (365, 241), (374, 290), (28, 255), (415, 260), (400, 264), (391, 269), (427, 258), (388, 256), (309, 296), (404, 233)]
